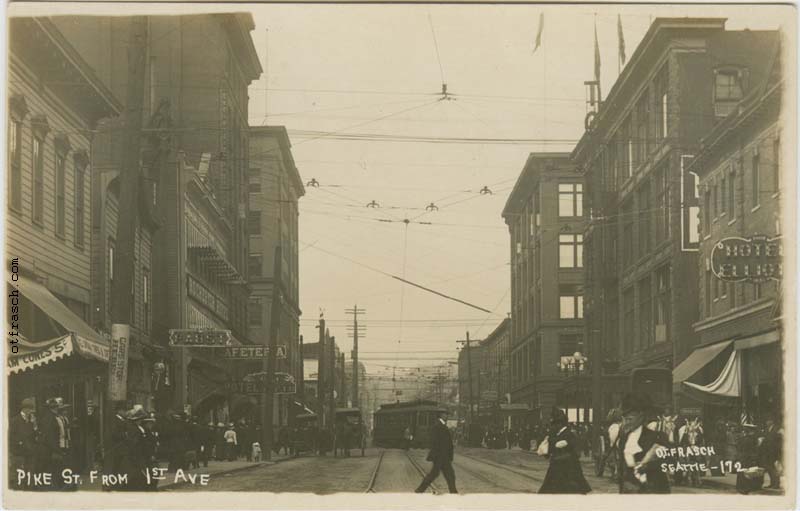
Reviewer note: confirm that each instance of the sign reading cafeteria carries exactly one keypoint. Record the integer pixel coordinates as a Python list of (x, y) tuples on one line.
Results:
[(253, 352), (200, 337), (754, 259)]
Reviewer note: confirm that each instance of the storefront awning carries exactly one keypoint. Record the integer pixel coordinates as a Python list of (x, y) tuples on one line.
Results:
[(697, 360), (35, 354), (728, 383), (84, 337)]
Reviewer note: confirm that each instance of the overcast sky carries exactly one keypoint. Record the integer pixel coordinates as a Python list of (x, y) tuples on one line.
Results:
[(502, 90), (375, 69)]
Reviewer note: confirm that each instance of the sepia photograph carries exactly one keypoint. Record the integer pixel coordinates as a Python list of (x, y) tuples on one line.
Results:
[(400, 255)]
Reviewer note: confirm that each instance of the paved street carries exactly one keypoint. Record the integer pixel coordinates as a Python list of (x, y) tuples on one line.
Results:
[(477, 471)]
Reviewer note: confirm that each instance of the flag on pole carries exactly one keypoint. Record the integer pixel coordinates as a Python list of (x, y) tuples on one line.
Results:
[(596, 55), (621, 36), (539, 32)]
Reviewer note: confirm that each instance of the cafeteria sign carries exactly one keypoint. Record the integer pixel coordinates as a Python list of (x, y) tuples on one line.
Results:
[(253, 352), (200, 337), (755, 259)]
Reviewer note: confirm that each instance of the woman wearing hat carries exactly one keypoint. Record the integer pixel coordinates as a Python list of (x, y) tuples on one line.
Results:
[(564, 475), (231, 443)]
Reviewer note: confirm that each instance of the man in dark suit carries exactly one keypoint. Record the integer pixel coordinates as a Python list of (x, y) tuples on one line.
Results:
[(441, 454), (22, 432)]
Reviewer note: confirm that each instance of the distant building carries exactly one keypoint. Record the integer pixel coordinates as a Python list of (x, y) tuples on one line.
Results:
[(545, 218), (643, 238), (274, 188), (738, 361)]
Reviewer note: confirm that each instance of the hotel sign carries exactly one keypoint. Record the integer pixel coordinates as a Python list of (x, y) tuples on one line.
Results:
[(755, 259)]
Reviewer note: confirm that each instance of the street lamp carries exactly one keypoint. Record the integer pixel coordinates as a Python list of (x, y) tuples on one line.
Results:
[(575, 365)]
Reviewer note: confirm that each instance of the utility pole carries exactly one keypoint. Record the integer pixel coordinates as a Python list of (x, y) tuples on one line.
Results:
[(469, 378), (355, 311), (301, 390), (331, 371), (129, 175), (274, 329), (321, 384)]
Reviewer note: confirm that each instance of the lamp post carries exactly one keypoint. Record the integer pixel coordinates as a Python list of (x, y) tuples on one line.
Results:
[(575, 365)]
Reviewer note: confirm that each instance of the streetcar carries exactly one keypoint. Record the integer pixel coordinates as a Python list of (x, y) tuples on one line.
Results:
[(392, 419)]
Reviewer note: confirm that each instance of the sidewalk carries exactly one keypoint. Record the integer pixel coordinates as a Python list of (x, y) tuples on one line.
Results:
[(190, 476)]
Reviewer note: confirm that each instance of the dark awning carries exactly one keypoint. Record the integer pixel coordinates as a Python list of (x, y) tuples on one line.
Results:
[(88, 341), (697, 360)]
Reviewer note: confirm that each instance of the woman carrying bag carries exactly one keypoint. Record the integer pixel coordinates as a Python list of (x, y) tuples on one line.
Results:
[(564, 475)]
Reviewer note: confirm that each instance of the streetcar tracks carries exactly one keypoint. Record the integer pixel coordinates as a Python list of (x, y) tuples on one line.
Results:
[(433, 488), (504, 467), (374, 477)]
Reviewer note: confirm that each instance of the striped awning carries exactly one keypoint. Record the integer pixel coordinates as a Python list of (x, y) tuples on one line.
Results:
[(35, 354)]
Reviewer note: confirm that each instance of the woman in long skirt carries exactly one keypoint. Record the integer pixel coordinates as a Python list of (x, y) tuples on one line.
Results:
[(564, 475)]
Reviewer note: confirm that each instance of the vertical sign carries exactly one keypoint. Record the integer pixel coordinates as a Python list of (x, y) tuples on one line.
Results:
[(690, 206), (118, 362)]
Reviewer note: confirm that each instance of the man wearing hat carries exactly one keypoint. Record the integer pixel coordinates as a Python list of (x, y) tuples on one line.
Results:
[(54, 439), (138, 445), (22, 431), (441, 454), (639, 440)]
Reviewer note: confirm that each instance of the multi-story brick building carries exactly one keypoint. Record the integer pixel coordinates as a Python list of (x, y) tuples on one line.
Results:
[(642, 241), (55, 101), (275, 187), (737, 365), (545, 218), (197, 72)]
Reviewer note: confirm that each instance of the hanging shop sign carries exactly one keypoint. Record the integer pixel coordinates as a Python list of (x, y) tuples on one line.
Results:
[(253, 352), (755, 259), (118, 362), (256, 384), (200, 338)]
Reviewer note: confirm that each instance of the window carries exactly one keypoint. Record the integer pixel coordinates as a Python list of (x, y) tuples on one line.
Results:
[(254, 181), (661, 84), (255, 265), (645, 214), (662, 205), (570, 200), (756, 177), (732, 194), (38, 180), (728, 86), (15, 164), (61, 163), (570, 251), (724, 195), (708, 278), (568, 345), (641, 130), (110, 276), (663, 307), (645, 313), (707, 216), (627, 234), (80, 198), (254, 222), (715, 204), (727, 91), (629, 319), (146, 299), (570, 302), (776, 165), (254, 312)]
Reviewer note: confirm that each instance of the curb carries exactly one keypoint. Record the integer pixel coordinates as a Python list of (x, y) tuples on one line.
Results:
[(226, 472)]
